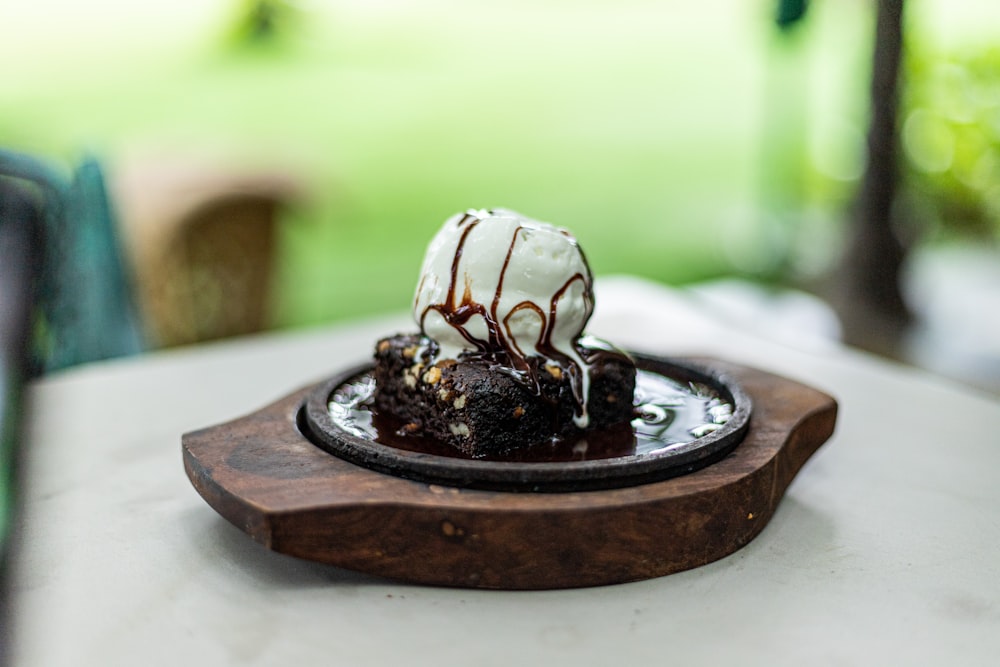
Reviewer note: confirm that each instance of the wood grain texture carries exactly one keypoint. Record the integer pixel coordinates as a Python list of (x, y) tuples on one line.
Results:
[(262, 475)]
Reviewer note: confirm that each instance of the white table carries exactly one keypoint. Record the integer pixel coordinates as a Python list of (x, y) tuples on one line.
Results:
[(884, 551)]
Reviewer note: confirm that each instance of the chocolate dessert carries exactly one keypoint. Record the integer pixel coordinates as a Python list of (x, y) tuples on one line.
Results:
[(477, 407), (501, 361)]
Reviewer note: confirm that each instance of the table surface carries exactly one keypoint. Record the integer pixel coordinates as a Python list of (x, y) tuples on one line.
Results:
[(883, 551)]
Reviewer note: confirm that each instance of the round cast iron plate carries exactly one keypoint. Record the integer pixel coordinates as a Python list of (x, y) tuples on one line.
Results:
[(317, 424)]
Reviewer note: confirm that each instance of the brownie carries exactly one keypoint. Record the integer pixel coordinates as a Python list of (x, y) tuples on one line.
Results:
[(484, 408)]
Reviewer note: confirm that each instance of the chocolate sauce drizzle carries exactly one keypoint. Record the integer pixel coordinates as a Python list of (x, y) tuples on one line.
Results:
[(500, 348)]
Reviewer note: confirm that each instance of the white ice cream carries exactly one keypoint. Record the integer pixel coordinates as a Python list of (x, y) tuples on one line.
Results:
[(497, 281)]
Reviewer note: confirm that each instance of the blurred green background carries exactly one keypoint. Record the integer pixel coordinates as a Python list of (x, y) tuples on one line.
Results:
[(680, 141)]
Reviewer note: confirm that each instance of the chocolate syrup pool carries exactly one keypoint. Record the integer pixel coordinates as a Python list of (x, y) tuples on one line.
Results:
[(669, 413)]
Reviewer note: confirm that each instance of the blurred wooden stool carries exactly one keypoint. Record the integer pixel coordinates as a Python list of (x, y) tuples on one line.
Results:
[(202, 242)]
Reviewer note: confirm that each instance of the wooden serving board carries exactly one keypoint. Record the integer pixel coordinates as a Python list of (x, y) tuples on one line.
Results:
[(265, 477)]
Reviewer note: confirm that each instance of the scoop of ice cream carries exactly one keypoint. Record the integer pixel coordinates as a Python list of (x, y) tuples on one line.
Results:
[(496, 281)]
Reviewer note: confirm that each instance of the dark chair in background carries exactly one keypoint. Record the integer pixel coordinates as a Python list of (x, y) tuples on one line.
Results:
[(20, 259), (85, 310), (65, 299)]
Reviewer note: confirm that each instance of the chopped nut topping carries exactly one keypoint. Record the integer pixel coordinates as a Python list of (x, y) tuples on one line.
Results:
[(554, 371), (459, 429), (460, 402), (445, 395), (410, 351), (383, 346), (433, 375), (518, 412), (612, 398)]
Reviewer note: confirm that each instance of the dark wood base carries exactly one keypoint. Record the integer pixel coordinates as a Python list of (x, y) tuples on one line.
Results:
[(264, 476)]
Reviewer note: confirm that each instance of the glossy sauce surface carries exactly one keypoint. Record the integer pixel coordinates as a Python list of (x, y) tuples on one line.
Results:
[(669, 413)]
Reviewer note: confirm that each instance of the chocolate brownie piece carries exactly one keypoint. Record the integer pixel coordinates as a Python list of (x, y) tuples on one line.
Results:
[(483, 408)]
